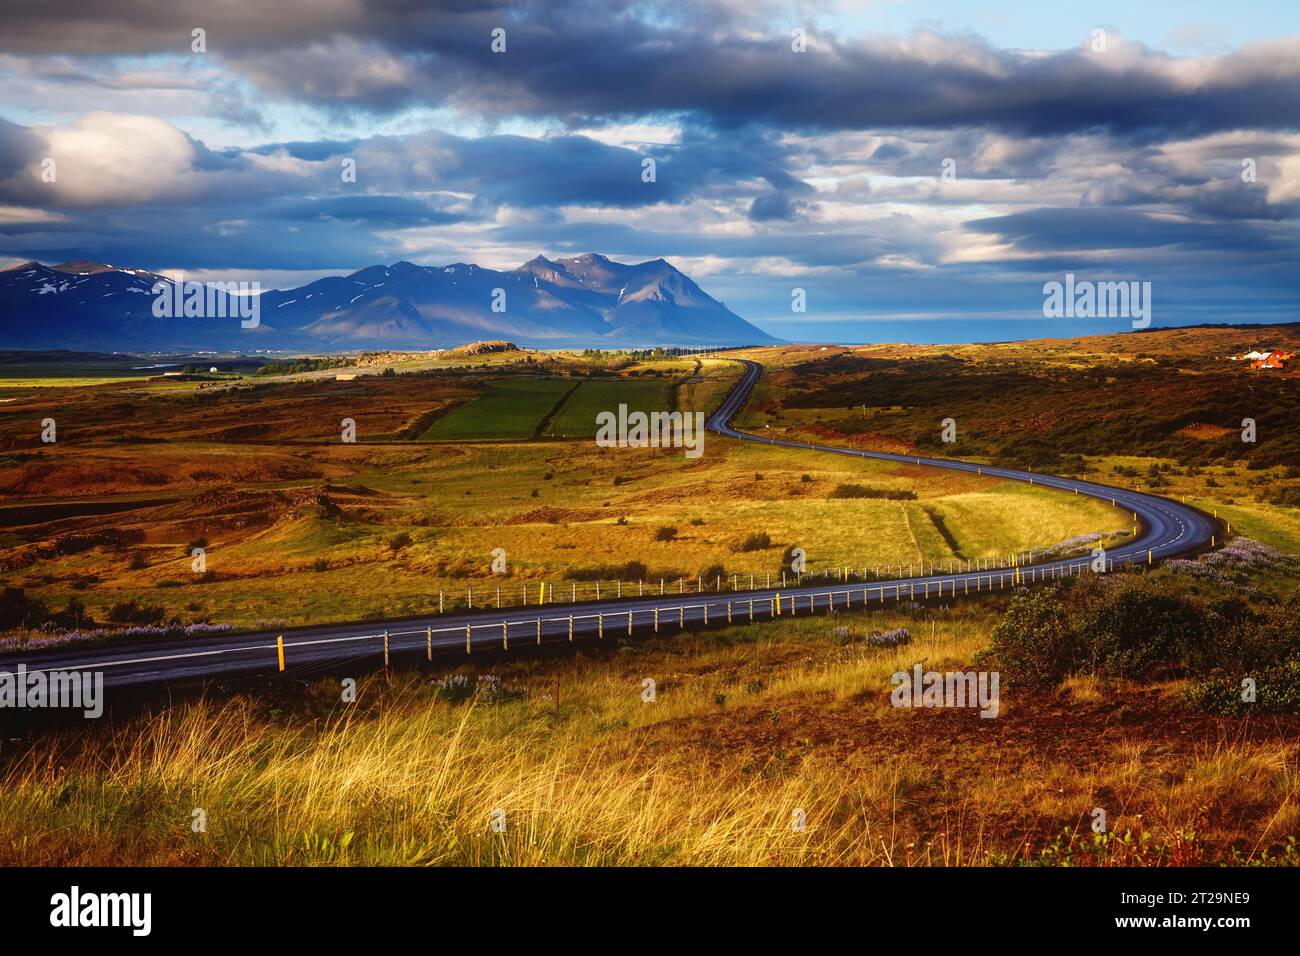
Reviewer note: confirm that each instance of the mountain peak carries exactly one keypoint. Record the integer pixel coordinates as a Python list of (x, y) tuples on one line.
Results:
[(588, 300), (83, 267)]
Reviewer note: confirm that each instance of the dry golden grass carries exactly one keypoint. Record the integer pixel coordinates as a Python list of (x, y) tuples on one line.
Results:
[(750, 725)]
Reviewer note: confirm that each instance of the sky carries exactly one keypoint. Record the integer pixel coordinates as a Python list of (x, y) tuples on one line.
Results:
[(918, 169)]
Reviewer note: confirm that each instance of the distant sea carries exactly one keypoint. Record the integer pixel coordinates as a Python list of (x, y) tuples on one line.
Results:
[(963, 331)]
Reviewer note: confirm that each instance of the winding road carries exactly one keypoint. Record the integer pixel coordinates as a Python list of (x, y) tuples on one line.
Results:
[(1166, 529)]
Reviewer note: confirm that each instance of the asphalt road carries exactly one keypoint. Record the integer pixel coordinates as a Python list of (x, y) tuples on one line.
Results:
[(1166, 528)]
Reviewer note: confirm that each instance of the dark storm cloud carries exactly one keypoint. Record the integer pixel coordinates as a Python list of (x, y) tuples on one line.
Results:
[(19, 148), (774, 206), (371, 210), (1047, 229), (576, 170), (585, 61)]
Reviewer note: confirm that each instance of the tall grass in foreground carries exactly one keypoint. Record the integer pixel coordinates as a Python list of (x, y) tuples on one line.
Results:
[(407, 776)]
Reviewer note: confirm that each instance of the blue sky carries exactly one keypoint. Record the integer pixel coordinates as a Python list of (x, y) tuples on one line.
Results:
[(819, 170)]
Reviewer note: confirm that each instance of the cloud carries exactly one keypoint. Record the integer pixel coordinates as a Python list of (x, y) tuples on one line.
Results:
[(593, 61)]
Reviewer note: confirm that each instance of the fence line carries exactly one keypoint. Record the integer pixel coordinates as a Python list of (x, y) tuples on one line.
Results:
[(650, 617)]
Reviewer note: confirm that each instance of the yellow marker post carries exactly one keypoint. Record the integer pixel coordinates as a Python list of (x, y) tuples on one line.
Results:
[(385, 648), (541, 593), (570, 627), (656, 620), (728, 612), (279, 648), (706, 615), (681, 616), (778, 605), (1148, 557), (600, 626), (505, 636), (428, 643), (629, 623), (467, 641)]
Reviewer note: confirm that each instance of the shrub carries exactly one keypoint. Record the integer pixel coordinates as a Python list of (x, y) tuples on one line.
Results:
[(862, 491), (18, 610), (666, 533), (758, 541), (130, 612), (399, 541), (1033, 643), (1130, 625), (1277, 691)]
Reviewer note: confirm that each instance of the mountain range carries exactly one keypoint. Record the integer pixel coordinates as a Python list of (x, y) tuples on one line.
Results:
[(583, 301)]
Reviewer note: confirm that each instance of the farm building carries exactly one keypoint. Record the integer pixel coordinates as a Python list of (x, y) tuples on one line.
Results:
[(1272, 360)]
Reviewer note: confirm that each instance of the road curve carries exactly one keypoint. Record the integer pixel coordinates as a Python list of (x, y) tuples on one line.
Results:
[(1166, 528)]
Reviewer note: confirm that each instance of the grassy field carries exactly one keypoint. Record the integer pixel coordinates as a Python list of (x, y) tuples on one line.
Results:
[(510, 409), (748, 725), (302, 528), (577, 416), (298, 527)]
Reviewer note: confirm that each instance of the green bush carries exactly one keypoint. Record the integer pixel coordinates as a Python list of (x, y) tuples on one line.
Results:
[(1034, 644), (1130, 625)]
